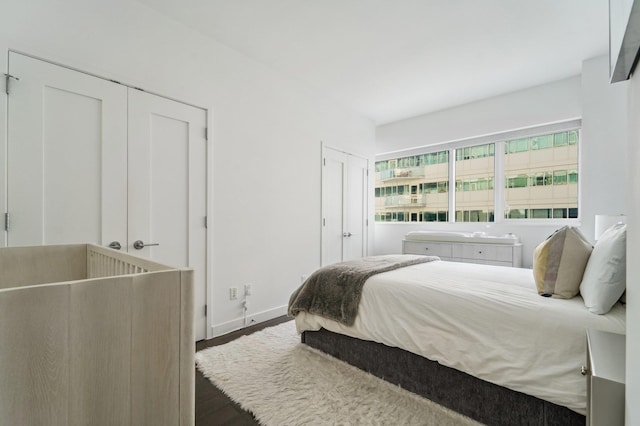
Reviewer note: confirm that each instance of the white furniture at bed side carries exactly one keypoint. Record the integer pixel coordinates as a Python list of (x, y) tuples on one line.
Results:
[(605, 378), (490, 254)]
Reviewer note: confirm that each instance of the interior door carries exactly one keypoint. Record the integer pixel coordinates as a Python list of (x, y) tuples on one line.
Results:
[(67, 150), (333, 196), (167, 187), (344, 206), (356, 202), (90, 160)]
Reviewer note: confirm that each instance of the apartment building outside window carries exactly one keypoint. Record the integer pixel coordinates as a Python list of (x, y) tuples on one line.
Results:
[(536, 177), (413, 188)]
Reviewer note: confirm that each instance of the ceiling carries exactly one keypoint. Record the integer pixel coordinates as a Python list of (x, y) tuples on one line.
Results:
[(394, 59)]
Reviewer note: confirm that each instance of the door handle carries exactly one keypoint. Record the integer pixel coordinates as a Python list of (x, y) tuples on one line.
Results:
[(115, 245), (139, 245), (346, 234)]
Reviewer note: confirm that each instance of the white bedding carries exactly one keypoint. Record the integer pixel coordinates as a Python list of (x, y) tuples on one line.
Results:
[(487, 321)]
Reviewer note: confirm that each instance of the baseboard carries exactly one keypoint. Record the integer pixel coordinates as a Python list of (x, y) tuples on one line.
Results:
[(237, 324)]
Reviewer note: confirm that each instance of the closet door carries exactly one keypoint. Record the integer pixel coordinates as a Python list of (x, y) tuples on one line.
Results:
[(67, 150), (167, 187), (344, 206), (92, 161)]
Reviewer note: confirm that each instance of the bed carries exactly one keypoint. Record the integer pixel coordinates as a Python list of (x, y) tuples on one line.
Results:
[(480, 341)]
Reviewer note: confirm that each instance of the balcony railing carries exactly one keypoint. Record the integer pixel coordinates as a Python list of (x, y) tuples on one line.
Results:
[(405, 200), (409, 173)]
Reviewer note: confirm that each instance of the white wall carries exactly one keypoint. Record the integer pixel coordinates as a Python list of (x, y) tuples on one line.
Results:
[(632, 394), (266, 133), (537, 105), (603, 176), (588, 96)]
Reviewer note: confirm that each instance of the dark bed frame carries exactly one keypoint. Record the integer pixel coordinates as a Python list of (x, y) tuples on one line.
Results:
[(482, 401)]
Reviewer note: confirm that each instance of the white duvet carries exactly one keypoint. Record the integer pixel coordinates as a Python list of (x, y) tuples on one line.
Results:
[(485, 320)]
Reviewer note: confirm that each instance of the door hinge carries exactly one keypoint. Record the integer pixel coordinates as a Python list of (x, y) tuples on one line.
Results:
[(6, 221), (367, 222), (7, 78), (206, 133), (324, 161), (205, 310), (324, 222), (206, 224)]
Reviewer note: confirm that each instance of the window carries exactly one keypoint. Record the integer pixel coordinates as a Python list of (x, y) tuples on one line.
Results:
[(560, 177), (535, 179), (474, 183), (551, 167), (413, 182)]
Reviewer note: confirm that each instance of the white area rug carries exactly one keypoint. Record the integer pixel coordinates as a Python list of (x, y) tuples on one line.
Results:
[(284, 382)]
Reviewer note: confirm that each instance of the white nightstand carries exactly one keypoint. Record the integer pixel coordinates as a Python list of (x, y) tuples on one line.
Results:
[(605, 378)]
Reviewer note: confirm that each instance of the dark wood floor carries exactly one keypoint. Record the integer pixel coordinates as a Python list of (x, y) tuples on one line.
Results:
[(212, 406)]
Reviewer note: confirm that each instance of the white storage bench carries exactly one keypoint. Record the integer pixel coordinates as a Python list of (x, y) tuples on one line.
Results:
[(465, 247), (89, 335)]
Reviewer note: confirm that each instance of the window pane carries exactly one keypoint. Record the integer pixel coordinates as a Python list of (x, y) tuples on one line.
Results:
[(481, 184), (559, 213), (521, 181), (538, 181), (517, 145), (541, 142), (573, 176), (474, 183), (560, 177), (517, 214), (430, 216), (560, 139), (412, 183), (540, 213), (431, 187)]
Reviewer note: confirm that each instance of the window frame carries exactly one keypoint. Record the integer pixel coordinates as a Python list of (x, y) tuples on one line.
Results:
[(500, 180)]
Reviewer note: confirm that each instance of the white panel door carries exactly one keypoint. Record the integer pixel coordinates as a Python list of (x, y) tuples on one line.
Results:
[(344, 206), (356, 203), (333, 216), (167, 187), (67, 149)]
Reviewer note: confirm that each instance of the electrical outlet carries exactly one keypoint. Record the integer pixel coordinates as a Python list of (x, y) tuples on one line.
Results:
[(247, 289), (233, 293)]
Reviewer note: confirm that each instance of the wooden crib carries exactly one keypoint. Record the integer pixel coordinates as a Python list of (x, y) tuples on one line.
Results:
[(90, 335)]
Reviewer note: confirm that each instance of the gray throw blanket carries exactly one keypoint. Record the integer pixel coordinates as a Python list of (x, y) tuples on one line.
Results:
[(334, 291)]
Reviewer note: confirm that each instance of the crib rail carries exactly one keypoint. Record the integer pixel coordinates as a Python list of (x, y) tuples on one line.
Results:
[(93, 336), (106, 262)]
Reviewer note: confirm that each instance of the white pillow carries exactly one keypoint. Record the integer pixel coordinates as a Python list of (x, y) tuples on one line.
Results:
[(604, 279)]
